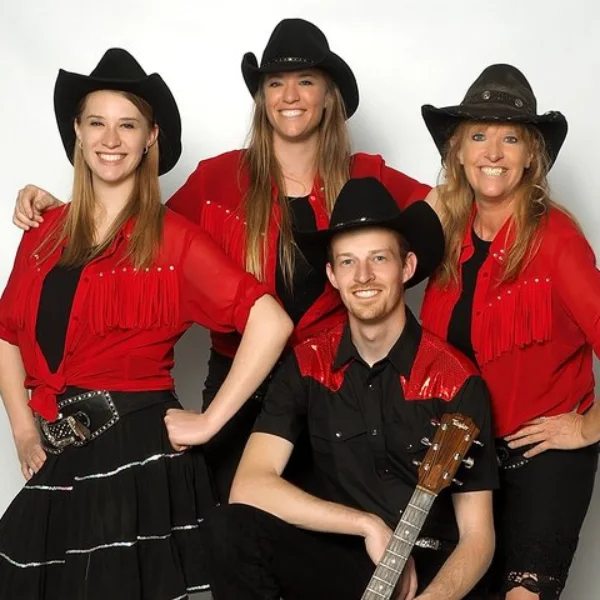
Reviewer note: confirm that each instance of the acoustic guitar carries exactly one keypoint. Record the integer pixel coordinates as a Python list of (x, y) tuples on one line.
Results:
[(454, 437)]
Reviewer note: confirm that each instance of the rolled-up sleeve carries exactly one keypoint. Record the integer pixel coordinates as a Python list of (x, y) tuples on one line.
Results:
[(9, 302), (215, 292), (284, 410), (576, 281)]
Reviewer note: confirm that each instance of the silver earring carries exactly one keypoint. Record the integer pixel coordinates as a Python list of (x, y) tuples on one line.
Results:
[(146, 150)]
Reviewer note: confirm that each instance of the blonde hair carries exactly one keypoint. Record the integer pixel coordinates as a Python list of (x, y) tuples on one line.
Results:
[(78, 229), (332, 165), (532, 204)]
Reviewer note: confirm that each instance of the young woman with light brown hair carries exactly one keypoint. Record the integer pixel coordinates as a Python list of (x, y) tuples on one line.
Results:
[(99, 294)]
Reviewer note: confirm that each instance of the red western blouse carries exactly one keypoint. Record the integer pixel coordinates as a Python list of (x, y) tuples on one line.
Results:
[(533, 337), (213, 196), (124, 322)]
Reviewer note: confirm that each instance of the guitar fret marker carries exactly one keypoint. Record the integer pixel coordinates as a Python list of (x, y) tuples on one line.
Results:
[(390, 568)]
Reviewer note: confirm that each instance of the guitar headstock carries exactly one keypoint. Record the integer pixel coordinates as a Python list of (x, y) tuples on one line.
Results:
[(452, 441)]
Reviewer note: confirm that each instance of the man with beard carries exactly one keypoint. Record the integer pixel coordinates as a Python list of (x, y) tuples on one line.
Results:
[(366, 393)]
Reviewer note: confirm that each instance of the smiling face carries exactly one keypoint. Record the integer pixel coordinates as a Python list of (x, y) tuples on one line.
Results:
[(295, 102), (369, 268), (494, 157), (113, 135)]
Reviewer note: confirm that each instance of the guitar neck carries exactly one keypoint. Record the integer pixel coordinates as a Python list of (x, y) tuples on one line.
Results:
[(390, 567)]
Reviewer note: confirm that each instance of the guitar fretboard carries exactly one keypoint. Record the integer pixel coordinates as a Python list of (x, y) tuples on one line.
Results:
[(396, 554)]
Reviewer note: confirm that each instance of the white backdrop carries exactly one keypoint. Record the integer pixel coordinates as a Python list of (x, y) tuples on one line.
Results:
[(404, 53)]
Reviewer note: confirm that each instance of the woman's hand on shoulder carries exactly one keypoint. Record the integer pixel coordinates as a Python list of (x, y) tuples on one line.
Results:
[(31, 202)]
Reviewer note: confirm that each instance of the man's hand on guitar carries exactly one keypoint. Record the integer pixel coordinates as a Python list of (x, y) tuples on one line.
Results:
[(406, 589), (377, 537)]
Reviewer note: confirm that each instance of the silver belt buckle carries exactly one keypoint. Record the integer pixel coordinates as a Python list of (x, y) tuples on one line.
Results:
[(64, 431)]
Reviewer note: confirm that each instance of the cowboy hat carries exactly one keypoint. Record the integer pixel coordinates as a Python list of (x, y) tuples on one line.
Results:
[(118, 70), (500, 94), (297, 44), (366, 202)]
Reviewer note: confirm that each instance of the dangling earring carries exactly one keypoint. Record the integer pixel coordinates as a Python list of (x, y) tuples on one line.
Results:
[(146, 150)]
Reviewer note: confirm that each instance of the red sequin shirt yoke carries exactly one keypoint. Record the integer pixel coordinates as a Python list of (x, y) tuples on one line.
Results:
[(533, 337), (124, 322)]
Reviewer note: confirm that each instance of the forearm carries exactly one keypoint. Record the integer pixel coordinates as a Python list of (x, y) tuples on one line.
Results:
[(264, 338), (591, 425), (12, 388), (275, 495), (463, 569)]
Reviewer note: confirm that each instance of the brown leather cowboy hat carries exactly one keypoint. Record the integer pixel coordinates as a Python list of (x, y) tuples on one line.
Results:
[(500, 94)]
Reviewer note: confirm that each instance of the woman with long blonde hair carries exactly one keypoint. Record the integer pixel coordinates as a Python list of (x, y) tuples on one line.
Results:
[(519, 293), (251, 201), (98, 296)]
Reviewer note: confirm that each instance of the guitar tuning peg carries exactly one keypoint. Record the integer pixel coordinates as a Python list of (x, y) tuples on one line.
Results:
[(425, 441), (457, 482), (417, 463), (435, 422), (478, 443), (468, 462)]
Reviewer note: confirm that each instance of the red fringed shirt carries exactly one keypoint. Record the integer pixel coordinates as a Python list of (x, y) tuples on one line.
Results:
[(213, 196), (532, 337), (124, 322)]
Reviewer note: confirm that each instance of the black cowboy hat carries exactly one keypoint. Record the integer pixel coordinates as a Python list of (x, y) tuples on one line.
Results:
[(297, 44), (118, 70), (366, 202), (501, 93)]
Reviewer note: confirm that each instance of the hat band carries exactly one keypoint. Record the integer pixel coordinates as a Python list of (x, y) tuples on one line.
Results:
[(288, 60), (497, 97)]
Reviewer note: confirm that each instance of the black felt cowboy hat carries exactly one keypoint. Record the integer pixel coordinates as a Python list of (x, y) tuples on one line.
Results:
[(366, 202), (296, 44), (501, 93), (118, 70)]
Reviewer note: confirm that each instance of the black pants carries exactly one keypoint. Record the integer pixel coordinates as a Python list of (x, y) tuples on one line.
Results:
[(252, 555), (539, 511)]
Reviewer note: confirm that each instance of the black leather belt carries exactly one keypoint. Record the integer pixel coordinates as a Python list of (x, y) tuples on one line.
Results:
[(83, 416)]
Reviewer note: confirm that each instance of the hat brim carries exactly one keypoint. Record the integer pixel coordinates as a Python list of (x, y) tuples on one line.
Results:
[(331, 63), (71, 88), (442, 122), (418, 224)]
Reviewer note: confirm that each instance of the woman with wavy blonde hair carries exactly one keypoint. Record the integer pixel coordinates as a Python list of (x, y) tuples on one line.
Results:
[(251, 201), (519, 293)]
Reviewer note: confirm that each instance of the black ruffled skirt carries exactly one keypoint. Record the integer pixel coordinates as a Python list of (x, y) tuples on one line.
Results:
[(117, 519)]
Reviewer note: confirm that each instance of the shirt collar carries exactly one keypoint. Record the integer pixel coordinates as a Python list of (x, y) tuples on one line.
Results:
[(401, 356)]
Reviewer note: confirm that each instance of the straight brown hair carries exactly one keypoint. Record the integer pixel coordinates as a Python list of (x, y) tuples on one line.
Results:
[(77, 230), (332, 165)]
